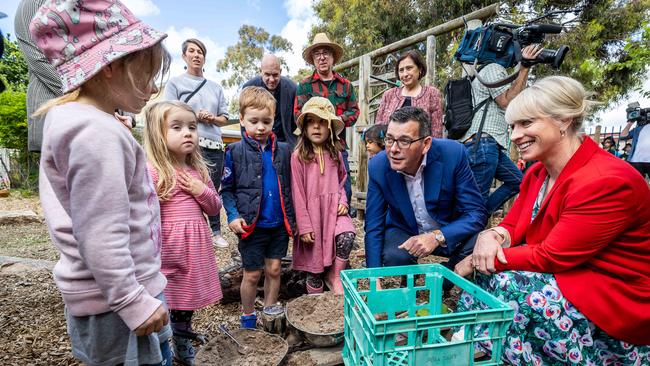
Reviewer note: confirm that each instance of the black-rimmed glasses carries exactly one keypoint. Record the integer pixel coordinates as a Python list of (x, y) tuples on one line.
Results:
[(403, 143)]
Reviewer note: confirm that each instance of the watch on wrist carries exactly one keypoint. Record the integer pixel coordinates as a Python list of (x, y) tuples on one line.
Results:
[(440, 238)]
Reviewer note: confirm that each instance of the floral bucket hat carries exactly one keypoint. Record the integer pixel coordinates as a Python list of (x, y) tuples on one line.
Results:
[(80, 37)]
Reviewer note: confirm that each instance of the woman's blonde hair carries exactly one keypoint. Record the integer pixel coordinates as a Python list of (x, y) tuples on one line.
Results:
[(557, 97), (144, 64), (155, 146)]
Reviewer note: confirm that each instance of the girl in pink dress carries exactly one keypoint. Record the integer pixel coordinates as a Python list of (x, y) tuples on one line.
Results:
[(325, 230), (186, 193)]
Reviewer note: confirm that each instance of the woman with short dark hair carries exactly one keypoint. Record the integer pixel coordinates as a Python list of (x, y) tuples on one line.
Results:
[(209, 103), (410, 69)]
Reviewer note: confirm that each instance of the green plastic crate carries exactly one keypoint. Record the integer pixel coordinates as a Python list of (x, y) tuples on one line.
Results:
[(411, 331)]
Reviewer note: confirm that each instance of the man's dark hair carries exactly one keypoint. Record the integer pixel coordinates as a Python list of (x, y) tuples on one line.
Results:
[(418, 60), (415, 114)]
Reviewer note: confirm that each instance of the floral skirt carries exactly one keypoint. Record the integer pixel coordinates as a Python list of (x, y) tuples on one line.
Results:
[(547, 328)]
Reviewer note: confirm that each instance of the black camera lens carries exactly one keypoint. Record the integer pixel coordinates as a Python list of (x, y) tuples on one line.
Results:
[(552, 57)]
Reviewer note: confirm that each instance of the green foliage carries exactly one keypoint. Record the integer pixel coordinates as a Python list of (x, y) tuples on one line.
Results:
[(13, 120), (242, 60), (13, 67), (302, 74), (609, 41)]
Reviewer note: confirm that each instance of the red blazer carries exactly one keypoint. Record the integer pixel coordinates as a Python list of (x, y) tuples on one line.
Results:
[(593, 233)]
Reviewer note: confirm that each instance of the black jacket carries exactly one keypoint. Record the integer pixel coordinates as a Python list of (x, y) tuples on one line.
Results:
[(285, 104)]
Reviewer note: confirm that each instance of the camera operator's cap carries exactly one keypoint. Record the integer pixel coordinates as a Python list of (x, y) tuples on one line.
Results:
[(321, 40), (323, 108), (80, 37)]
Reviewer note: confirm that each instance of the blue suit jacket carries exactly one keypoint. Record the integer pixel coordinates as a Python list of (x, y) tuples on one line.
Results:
[(450, 191)]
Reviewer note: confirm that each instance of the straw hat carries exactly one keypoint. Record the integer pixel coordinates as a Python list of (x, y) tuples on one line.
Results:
[(321, 40), (324, 109)]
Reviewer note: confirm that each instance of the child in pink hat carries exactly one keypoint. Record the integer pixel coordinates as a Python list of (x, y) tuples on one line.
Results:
[(99, 203)]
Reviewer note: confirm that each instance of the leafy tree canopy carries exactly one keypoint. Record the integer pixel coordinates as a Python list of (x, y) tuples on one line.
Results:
[(13, 67), (609, 40), (242, 60)]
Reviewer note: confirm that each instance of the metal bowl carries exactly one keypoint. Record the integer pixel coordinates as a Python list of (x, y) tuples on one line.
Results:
[(315, 339)]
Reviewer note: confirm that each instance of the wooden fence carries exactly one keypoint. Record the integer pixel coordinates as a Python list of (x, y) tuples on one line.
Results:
[(369, 102)]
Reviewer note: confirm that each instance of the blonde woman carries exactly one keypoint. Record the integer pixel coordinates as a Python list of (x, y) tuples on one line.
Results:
[(571, 257)]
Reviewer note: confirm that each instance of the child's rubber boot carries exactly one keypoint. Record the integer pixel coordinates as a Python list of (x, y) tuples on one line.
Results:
[(248, 321), (314, 290), (333, 276), (183, 351)]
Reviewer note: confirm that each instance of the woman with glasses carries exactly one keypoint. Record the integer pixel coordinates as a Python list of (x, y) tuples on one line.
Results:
[(410, 69)]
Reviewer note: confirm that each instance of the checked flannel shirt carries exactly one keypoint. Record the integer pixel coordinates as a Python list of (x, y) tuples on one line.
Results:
[(339, 91)]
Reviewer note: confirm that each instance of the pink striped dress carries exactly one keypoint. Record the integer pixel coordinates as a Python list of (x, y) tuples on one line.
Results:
[(187, 256)]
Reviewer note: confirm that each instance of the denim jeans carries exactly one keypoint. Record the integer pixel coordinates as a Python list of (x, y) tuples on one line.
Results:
[(488, 162), (394, 256), (348, 181), (214, 158)]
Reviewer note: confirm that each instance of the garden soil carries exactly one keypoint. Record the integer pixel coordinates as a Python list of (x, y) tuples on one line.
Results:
[(317, 314), (265, 350)]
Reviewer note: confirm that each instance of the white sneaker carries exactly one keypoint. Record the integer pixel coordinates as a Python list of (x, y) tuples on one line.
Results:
[(220, 242)]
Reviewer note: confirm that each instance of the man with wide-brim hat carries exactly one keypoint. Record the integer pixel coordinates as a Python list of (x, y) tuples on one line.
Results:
[(325, 82)]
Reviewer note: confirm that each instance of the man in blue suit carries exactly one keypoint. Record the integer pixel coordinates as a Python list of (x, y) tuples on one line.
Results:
[(422, 197)]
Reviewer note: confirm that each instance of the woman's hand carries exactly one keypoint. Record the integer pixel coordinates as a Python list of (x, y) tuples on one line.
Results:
[(342, 210), (237, 226), (465, 267), (127, 121), (206, 116), (308, 238), (190, 184), (486, 249)]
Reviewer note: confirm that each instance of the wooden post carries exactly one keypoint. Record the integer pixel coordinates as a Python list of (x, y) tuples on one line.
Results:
[(597, 134), (431, 61), (365, 68)]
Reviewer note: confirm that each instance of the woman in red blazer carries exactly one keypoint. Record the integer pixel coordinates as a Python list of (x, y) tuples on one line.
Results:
[(573, 254)]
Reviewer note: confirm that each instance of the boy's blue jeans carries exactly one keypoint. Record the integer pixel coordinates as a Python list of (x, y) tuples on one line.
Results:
[(489, 161)]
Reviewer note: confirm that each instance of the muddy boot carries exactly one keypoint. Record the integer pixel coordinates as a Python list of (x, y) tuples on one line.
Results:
[(183, 351), (314, 283), (333, 276), (314, 290)]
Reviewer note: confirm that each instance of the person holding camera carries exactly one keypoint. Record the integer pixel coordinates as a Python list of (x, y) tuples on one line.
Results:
[(490, 160), (639, 156)]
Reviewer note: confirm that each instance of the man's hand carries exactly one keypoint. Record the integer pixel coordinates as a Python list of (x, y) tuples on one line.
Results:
[(487, 247), (465, 267), (237, 226), (530, 53), (190, 184), (156, 321), (308, 238), (420, 245), (342, 210)]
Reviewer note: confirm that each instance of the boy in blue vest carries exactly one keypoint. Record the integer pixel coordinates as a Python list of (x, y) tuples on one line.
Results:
[(256, 193)]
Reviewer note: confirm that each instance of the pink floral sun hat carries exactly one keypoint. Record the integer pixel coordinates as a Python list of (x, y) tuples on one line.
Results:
[(80, 37)]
